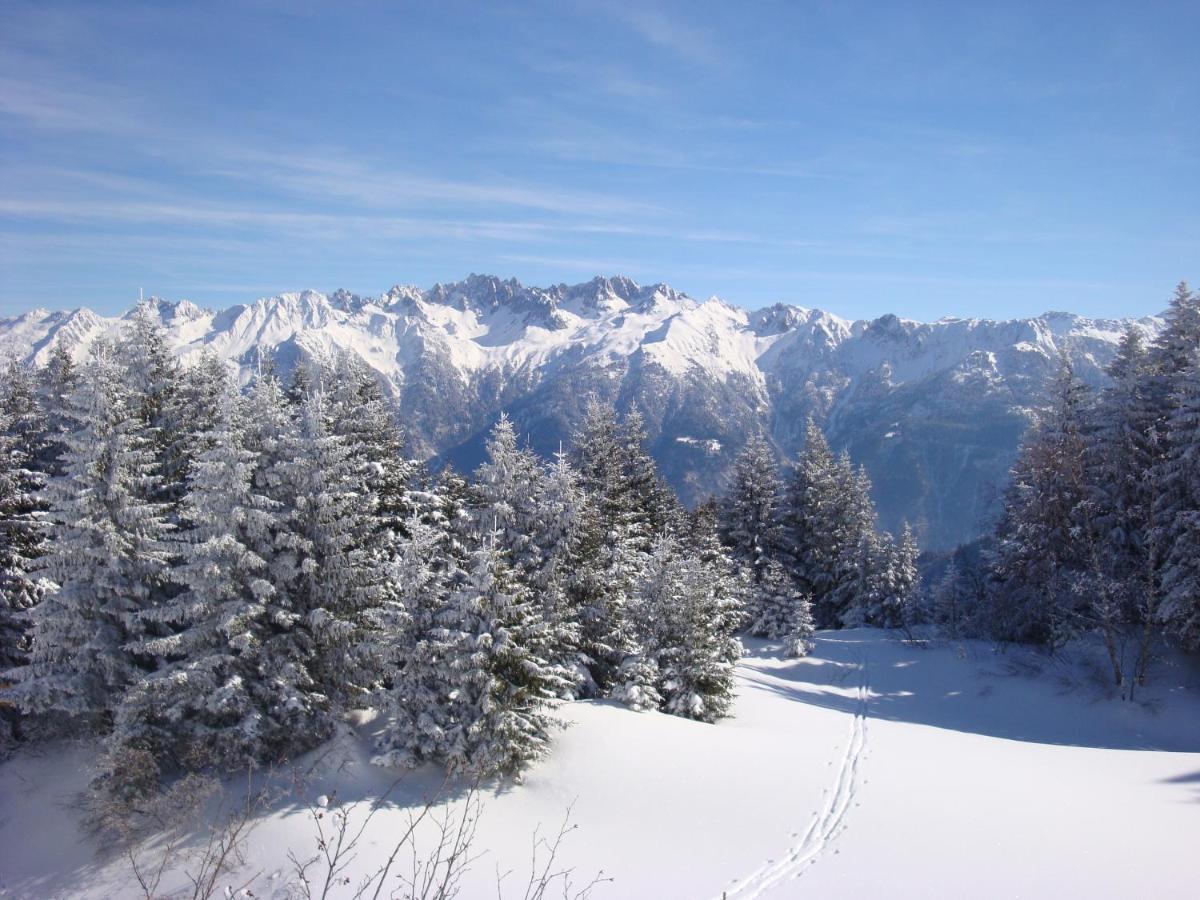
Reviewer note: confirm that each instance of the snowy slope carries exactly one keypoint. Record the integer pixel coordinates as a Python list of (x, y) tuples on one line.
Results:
[(933, 410), (872, 768)]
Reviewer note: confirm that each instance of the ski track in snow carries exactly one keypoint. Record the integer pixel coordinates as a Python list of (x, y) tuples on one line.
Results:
[(829, 821)]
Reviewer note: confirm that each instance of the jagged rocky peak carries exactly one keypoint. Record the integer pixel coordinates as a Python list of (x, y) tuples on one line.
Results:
[(303, 309), (891, 328), (171, 312), (776, 319), (348, 301), (479, 293), (404, 296), (458, 354)]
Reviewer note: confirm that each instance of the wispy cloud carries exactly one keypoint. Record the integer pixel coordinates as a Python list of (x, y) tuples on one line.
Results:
[(683, 39), (339, 175), (588, 78), (64, 107)]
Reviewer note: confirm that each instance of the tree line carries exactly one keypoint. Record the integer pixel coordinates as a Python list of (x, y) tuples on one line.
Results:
[(1100, 528), (206, 574)]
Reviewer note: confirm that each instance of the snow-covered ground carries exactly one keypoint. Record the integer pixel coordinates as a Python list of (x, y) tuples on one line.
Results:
[(872, 768)]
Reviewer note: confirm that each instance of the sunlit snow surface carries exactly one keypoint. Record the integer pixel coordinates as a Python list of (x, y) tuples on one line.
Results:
[(872, 768)]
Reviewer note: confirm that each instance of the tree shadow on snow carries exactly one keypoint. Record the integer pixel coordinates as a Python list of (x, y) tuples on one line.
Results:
[(337, 775), (968, 687), (1192, 778)]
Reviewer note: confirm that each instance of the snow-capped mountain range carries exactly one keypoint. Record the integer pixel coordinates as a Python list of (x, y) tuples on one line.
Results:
[(933, 410)]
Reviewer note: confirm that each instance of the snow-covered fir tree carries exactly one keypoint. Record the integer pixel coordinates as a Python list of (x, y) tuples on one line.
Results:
[(1123, 448), (829, 533), (55, 382), (507, 496), (1179, 504), (496, 650), (152, 381), (800, 637), (417, 692), (946, 602), (688, 611), (22, 440), (188, 420), (1039, 557), (902, 605), (750, 509), (617, 523), (750, 528), (336, 579), (106, 554), (230, 688), (367, 422), (771, 602)]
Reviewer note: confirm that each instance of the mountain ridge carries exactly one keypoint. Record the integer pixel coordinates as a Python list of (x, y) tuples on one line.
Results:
[(934, 410)]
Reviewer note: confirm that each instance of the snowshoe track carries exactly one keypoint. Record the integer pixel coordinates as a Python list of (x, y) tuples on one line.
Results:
[(829, 821)]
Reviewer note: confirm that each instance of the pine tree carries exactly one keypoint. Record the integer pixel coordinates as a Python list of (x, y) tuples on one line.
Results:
[(152, 377), (366, 420), (770, 603), (291, 648), (189, 417), (902, 606), (106, 554), (750, 526), (829, 531), (799, 640), (1039, 557), (558, 525), (22, 440), (55, 382), (1174, 348), (336, 581), (615, 532), (409, 643), (947, 602), (507, 487), (224, 694), (687, 613), (1123, 449), (496, 651), (1180, 501)]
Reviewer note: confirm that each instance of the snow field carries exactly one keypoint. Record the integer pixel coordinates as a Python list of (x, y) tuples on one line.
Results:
[(871, 768)]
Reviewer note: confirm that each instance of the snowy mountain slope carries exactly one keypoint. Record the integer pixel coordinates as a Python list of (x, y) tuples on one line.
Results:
[(871, 768), (933, 410)]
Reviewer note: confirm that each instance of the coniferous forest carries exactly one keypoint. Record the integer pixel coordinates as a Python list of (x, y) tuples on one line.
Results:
[(1100, 530), (207, 575)]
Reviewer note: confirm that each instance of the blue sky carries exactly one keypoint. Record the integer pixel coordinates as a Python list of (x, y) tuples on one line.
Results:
[(929, 159)]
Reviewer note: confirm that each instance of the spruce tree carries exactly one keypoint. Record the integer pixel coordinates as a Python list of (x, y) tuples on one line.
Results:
[(750, 509), (800, 637), (409, 643), (948, 613), (902, 606), (687, 614), (55, 382), (336, 580), (22, 440), (152, 377), (223, 693), (496, 649), (614, 536), (1179, 503), (1039, 557), (364, 418), (829, 533), (750, 528), (507, 494), (106, 554)]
